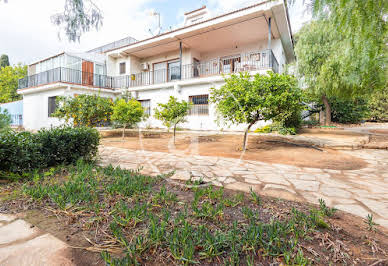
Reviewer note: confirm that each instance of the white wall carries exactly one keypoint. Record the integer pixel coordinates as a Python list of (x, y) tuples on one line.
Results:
[(194, 122), (133, 64), (35, 107)]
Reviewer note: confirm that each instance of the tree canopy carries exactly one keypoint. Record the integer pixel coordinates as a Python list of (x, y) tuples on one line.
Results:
[(9, 78), (342, 52), (172, 113), (127, 113), (78, 17), (4, 60), (84, 110), (244, 99)]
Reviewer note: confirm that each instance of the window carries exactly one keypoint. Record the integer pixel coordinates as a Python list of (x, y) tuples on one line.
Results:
[(122, 68), (52, 105), (200, 105), (146, 104)]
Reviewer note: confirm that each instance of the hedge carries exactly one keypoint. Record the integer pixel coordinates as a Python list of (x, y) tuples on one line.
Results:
[(25, 151)]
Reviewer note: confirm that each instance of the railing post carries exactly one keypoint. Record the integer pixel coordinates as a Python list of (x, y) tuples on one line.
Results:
[(180, 60)]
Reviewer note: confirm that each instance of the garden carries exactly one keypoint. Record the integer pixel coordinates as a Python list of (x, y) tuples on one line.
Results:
[(115, 216), (120, 217)]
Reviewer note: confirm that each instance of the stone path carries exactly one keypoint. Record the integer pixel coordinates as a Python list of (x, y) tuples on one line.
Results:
[(24, 245), (356, 191)]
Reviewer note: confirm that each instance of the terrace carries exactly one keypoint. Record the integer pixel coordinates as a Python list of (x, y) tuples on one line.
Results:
[(251, 61)]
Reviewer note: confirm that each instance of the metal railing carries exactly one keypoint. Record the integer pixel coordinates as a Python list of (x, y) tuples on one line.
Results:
[(113, 45), (252, 61), (67, 75)]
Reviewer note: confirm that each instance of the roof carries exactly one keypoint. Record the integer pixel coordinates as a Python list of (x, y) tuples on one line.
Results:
[(190, 12), (192, 25)]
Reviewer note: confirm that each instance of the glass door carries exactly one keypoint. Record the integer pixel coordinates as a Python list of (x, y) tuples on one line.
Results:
[(174, 70), (160, 72)]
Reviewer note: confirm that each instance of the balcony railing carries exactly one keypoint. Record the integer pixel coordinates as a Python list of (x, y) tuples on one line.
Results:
[(67, 75), (252, 61)]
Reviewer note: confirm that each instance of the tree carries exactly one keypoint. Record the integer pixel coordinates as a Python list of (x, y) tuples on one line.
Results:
[(127, 113), (84, 110), (349, 56), (9, 78), (4, 60), (246, 99), (78, 17), (172, 113)]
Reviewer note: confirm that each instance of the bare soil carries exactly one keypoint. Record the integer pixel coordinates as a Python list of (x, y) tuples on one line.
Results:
[(269, 149)]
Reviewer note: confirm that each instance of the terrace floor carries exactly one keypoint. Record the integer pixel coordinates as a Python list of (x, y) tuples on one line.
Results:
[(360, 192)]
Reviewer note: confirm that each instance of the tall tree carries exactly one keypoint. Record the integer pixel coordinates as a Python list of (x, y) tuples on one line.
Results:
[(9, 77), (351, 54), (4, 60)]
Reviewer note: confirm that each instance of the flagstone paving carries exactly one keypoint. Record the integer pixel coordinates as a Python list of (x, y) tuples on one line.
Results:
[(359, 192), (22, 244)]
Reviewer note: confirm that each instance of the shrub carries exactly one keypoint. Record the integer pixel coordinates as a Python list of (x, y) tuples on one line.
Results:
[(348, 111), (25, 151), (378, 105)]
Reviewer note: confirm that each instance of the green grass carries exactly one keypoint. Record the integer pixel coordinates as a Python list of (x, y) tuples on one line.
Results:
[(145, 218)]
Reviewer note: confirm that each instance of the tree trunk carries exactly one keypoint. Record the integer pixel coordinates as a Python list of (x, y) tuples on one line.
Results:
[(327, 110), (174, 133), (123, 132), (245, 144)]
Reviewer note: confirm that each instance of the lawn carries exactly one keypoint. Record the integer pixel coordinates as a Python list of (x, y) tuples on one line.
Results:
[(121, 217)]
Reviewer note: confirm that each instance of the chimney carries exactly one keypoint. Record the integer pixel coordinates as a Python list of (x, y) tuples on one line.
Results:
[(196, 15)]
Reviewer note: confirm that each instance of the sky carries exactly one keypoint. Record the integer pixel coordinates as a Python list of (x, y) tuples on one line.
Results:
[(27, 34)]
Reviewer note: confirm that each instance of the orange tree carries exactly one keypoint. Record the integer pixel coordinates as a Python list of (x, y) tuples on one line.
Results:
[(84, 110)]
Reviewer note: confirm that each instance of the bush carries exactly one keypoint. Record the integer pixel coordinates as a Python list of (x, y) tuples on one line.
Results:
[(348, 111), (25, 151), (378, 105)]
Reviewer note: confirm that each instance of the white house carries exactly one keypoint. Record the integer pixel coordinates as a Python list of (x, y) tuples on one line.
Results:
[(184, 63)]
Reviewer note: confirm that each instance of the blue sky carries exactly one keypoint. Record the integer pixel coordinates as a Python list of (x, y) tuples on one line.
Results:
[(28, 35)]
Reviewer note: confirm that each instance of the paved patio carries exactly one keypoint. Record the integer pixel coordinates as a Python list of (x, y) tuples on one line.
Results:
[(359, 192), (24, 245)]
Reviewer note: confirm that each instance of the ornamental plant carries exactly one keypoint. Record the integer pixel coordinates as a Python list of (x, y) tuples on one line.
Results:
[(84, 110), (244, 99), (172, 113), (127, 113)]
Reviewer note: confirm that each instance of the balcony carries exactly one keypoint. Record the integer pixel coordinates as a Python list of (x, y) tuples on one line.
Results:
[(251, 61), (69, 76)]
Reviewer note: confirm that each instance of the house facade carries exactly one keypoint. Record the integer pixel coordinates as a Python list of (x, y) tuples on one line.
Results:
[(184, 63)]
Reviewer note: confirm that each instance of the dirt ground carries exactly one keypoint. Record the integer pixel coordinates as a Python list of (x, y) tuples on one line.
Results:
[(267, 149)]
